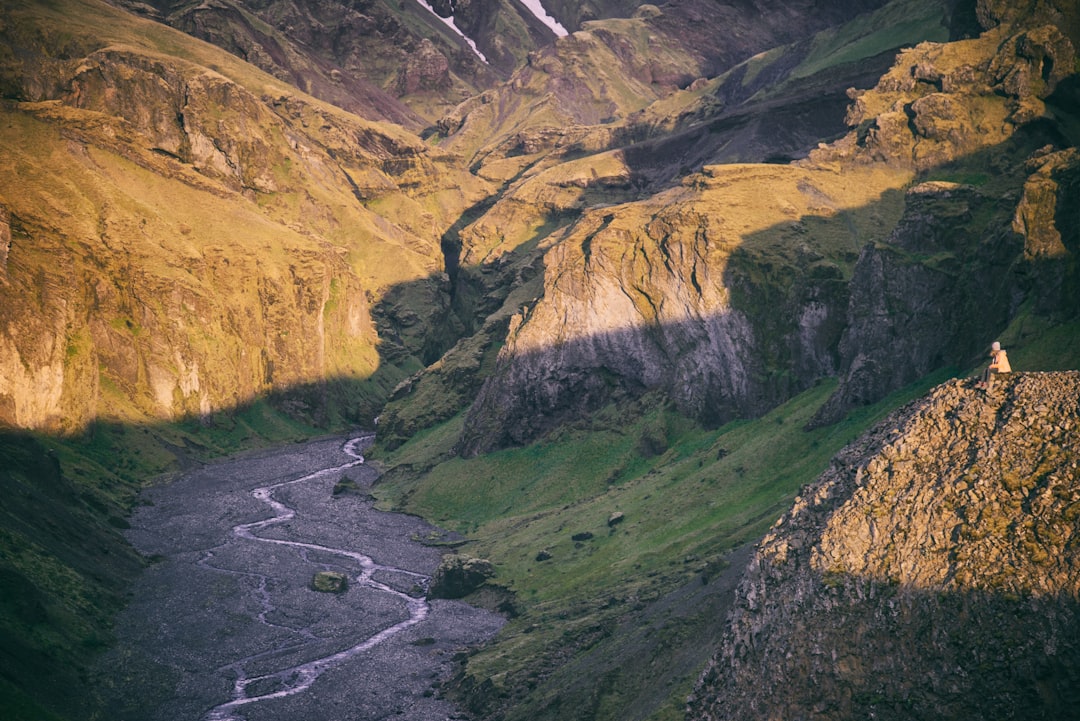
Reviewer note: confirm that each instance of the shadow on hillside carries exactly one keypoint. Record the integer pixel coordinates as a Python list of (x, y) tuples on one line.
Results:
[(890, 651), (820, 296), (947, 289)]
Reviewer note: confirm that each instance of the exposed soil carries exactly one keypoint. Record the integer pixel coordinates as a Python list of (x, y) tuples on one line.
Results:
[(226, 625)]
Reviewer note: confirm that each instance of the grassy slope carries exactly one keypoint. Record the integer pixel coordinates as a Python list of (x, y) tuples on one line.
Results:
[(63, 563), (688, 495), (708, 492)]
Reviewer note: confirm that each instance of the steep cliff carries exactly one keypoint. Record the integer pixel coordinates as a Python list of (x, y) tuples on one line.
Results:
[(966, 255), (731, 299), (931, 571), (265, 271)]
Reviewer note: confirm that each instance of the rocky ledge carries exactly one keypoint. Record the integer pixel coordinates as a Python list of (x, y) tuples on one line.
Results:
[(933, 571)]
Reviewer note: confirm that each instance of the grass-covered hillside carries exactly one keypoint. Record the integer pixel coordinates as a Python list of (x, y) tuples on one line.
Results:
[(197, 258), (612, 536)]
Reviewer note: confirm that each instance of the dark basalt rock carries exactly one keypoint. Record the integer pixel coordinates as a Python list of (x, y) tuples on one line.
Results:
[(458, 576)]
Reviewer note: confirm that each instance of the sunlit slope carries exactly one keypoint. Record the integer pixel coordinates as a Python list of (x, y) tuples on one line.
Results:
[(931, 570), (182, 241), (747, 283)]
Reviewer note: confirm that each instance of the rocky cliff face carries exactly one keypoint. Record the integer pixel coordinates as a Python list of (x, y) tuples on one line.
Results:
[(263, 272), (930, 572), (964, 256), (731, 300)]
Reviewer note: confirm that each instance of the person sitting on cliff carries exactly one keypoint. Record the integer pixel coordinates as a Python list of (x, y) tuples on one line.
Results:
[(999, 364)]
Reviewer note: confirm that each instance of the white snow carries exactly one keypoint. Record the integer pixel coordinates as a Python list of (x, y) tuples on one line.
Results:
[(537, 9), (450, 24)]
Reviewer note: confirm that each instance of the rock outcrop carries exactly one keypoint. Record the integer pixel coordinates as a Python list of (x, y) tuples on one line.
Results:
[(730, 300), (457, 576), (210, 243), (330, 582), (931, 571), (960, 263)]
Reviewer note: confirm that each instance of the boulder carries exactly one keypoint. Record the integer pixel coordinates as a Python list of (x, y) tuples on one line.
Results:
[(330, 582), (458, 576)]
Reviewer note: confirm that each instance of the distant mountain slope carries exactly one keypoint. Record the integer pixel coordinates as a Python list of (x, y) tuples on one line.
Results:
[(931, 572), (402, 62), (747, 283), (613, 68)]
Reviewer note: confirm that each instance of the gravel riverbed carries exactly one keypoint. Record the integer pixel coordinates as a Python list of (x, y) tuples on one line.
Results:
[(224, 625)]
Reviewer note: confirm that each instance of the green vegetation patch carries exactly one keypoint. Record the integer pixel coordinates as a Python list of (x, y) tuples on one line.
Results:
[(604, 521), (895, 25)]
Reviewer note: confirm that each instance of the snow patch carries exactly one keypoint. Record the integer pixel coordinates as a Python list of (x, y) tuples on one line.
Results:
[(450, 24), (537, 9)]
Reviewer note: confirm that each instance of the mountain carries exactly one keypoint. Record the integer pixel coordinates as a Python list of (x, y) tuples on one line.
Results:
[(673, 257), (732, 300), (929, 572), (261, 273)]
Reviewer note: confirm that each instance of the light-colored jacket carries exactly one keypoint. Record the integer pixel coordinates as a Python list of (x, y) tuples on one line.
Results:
[(999, 361)]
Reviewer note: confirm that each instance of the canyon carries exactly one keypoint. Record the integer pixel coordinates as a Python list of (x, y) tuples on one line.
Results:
[(569, 266)]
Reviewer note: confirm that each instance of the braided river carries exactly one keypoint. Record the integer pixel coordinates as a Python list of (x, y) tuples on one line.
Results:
[(225, 625)]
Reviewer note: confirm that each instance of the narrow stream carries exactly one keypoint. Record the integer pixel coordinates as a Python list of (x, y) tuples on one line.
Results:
[(226, 626)]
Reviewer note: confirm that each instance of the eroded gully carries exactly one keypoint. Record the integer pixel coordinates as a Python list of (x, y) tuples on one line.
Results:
[(225, 625)]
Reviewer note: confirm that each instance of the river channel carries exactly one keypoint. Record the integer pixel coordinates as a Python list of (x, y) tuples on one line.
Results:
[(224, 624)]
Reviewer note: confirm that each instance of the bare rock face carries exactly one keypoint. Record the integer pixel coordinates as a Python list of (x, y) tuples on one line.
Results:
[(675, 295), (199, 255), (930, 572), (895, 333), (962, 259), (425, 69)]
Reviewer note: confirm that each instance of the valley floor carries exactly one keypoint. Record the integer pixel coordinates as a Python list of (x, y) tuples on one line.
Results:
[(225, 623)]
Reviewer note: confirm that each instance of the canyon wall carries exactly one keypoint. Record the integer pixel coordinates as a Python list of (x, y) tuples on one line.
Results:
[(179, 241), (896, 250)]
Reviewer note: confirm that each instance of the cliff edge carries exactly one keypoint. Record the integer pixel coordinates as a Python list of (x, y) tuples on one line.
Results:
[(933, 571)]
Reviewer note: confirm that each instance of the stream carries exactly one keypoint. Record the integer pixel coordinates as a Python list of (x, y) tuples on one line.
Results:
[(225, 625)]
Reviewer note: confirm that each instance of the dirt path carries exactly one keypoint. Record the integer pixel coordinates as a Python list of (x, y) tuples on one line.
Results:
[(226, 627)]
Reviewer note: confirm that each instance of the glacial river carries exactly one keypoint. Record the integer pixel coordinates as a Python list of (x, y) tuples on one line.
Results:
[(224, 625)]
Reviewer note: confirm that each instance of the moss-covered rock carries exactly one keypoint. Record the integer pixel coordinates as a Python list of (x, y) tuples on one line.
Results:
[(457, 576), (330, 582), (931, 571)]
